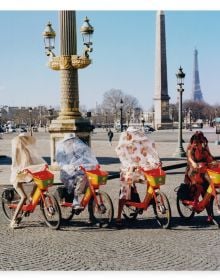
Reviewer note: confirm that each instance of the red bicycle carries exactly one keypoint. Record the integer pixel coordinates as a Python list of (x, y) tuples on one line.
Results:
[(154, 197), (193, 202), (39, 196), (99, 203)]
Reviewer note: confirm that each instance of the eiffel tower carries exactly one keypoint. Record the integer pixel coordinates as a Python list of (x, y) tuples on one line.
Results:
[(196, 90)]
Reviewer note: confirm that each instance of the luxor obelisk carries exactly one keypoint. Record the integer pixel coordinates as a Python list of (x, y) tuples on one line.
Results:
[(161, 97)]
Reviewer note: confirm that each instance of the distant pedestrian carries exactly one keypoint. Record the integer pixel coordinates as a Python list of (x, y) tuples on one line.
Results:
[(110, 136)]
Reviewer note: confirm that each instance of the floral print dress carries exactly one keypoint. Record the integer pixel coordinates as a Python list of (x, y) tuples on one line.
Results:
[(135, 150)]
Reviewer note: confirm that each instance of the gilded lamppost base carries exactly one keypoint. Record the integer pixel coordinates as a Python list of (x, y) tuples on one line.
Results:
[(59, 127)]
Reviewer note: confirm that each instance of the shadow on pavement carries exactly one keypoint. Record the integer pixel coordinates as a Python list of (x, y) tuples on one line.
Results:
[(5, 160), (197, 222), (108, 160), (177, 223)]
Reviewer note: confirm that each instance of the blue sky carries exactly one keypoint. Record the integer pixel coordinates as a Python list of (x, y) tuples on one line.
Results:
[(123, 56)]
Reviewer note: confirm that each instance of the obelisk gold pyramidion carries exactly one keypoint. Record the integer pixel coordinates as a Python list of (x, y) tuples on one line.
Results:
[(69, 119)]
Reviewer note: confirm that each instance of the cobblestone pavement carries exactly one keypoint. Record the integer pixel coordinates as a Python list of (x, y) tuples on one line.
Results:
[(138, 246)]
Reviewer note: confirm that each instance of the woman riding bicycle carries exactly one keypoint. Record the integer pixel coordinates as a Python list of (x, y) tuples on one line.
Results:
[(134, 150), (24, 154), (72, 152), (198, 154)]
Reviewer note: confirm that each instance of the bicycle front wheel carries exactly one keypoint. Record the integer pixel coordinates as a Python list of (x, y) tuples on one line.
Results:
[(103, 212), (66, 212), (8, 198), (162, 211), (184, 211), (51, 211)]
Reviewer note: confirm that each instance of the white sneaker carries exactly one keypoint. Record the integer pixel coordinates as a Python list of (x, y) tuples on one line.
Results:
[(14, 225), (76, 204)]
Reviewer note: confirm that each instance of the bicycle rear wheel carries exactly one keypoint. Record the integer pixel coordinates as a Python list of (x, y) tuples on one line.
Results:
[(103, 212), (162, 211), (9, 197), (184, 211), (51, 211)]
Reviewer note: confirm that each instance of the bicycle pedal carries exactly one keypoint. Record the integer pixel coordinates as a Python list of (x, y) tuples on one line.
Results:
[(18, 220), (133, 214)]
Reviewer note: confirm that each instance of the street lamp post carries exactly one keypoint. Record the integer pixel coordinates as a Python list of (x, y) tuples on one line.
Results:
[(106, 120), (121, 117), (68, 63), (50, 114), (172, 116), (190, 119), (180, 82), (30, 113), (185, 116), (143, 121)]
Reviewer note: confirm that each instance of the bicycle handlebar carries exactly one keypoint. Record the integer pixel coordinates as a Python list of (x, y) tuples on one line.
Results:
[(84, 169), (32, 173)]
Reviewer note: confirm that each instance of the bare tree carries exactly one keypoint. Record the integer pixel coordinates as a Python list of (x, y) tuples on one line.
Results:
[(112, 101)]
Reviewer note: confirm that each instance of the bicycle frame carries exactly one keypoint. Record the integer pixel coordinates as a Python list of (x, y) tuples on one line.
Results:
[(199, 206), (37, 192), (37, 195), (90, 192), (150, 193)]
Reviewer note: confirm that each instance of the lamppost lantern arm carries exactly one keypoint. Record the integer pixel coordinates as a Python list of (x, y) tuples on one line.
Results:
[(49, 39)]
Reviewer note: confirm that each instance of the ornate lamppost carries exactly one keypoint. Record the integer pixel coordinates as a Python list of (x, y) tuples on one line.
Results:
[(68, 63), (180, 82), (121, 116)]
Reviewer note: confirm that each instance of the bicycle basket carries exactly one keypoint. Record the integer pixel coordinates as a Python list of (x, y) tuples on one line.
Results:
[(155, 177), (43, 179), (97, 177), (214, 175)]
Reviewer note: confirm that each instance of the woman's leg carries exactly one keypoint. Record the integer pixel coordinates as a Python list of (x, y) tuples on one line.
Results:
[(121, 203), (23, 196)]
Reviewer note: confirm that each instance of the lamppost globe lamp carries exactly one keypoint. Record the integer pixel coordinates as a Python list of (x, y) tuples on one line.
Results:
[(49, 38), (180, 75), (87, 31)]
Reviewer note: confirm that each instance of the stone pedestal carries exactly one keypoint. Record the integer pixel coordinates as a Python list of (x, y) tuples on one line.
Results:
[(80, 126)]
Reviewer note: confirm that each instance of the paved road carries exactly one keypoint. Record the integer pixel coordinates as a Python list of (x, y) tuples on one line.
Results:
[(139, 246)]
